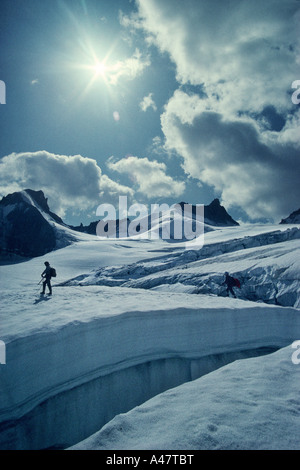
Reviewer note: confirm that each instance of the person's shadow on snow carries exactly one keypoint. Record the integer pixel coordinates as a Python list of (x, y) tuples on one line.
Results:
[(41, 299)]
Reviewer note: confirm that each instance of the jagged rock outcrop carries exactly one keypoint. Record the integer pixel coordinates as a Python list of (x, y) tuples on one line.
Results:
[(28, 228), (293, 218), (215, 214)]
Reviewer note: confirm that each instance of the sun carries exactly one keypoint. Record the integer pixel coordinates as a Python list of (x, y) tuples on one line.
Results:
[(99, 68)]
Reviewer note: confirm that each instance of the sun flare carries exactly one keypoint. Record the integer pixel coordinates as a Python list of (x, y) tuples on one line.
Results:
[(100, 68)]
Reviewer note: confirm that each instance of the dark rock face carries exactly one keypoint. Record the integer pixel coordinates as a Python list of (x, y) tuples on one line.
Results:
[(293, 218), (215, 214), (91, 229), (42, 202), (27, 233), (24, 231)]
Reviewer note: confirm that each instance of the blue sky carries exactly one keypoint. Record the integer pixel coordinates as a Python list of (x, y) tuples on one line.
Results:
[(159, 100)]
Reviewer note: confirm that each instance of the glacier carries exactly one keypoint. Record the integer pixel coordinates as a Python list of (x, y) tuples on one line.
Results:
[(236, 407), (130, 320)]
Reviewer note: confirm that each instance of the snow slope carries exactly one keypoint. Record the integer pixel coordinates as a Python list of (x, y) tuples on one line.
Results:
[(266, 265), (93, 351), (236, 407)]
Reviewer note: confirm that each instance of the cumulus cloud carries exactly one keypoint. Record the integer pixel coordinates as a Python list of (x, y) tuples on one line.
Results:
[(149, 176), (147, 103), (241, 133), (70, 182), (245, 53), (129, 68), (253, 169)]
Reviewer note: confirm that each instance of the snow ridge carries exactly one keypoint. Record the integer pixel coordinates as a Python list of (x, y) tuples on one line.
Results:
[(269, 283)]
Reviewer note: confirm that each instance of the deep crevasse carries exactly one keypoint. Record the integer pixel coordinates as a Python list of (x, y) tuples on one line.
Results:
[(56, 379)]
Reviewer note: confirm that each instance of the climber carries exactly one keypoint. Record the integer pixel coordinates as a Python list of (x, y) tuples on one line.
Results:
[(46, 274), (230, 283)]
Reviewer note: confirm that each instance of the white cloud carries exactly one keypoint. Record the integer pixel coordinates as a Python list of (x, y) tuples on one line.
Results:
[(244, 56), (253, 169), (74, 182), (149, 176), (245, 53), (147, 103), (129, 68)]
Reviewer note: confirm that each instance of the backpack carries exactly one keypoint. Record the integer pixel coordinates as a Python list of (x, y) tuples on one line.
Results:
[(53, 272), (237, 283)]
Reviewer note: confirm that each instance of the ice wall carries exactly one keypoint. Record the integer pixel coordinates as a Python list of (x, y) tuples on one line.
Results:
[(59, 387), (71, 416)]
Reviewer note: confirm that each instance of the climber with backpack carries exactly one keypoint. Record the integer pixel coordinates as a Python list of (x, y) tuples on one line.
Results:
[(230, 283), (47, 274)]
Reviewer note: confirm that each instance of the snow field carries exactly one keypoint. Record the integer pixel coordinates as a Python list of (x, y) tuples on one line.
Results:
[(99, 348)]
